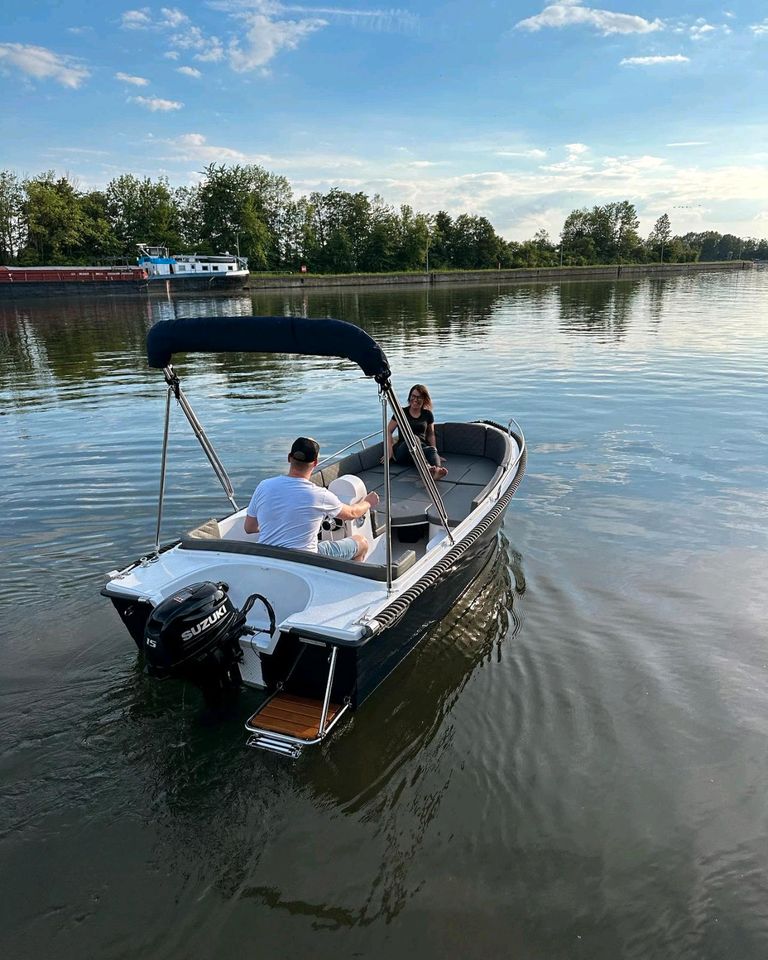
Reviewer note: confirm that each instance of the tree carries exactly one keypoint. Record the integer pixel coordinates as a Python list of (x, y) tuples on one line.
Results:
[(475, 245), (53, 218), (11, 223), (231, 213), (660, 236), (143, 211), (604, 234)]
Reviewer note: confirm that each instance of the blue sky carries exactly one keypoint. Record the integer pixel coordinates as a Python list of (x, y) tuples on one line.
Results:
[(518, 111)]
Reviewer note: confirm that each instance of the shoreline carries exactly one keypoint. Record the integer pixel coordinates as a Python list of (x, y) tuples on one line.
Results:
[(613, 271), (303, 281)]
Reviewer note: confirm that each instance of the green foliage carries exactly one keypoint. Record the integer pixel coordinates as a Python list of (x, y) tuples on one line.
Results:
[(142, 211), (11, 222), (606, 234), (246, 209), (54, 220)]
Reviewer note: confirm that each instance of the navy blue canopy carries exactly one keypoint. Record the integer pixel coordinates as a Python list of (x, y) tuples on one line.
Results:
[(320, 338)]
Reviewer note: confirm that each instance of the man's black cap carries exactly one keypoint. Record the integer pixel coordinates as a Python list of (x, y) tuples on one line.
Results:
[(305, 450)]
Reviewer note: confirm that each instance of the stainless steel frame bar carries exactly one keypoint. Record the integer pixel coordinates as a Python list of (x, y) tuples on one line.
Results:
[(163, 465), (327, 697), (387, 491), (414, 448), (203, 440)]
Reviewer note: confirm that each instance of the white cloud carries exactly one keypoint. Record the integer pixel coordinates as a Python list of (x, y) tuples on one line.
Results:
[(156, 104), (700, 29), (575, 161), (171, 54), (79, 151), (189, 72), (173, 17), (569, 13), (194, 148), (760, 29), (506, 198), (135, 81), (387, 19), (136, 19), (689, 143), (265, 38), (533, 154), (653, 61), (260, 31), (41, 63), (208, 49)]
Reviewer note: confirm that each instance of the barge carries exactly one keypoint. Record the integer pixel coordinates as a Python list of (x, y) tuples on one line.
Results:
[(64, 281)]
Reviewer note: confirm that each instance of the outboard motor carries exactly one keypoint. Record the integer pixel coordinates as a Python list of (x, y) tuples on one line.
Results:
[(195, 635)]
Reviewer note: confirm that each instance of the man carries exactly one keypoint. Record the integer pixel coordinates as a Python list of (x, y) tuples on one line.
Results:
[(287, 510)]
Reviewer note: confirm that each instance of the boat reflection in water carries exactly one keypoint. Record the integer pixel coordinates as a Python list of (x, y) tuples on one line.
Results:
[(218, 813)]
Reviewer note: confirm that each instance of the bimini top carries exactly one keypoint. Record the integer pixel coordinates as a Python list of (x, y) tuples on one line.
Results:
[(302, 335)]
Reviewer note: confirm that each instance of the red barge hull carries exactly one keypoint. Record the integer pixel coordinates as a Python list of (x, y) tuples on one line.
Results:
[(64, 281)]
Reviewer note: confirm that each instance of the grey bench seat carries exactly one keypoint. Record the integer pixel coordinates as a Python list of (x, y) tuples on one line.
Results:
[(475, 456), (370, 571)]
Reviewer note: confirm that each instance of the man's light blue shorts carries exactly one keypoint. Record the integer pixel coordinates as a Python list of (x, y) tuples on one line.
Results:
[(338, 549)]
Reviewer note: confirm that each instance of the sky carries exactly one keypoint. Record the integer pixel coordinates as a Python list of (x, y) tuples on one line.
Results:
[(519, 111)]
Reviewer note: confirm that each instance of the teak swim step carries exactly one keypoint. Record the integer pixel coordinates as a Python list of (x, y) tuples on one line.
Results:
[(295, 716)]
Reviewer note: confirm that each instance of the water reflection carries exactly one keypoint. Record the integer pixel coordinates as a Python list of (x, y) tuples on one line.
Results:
[(598, 308), (614, 749), (386, 770), (47, 344), (53, 343)]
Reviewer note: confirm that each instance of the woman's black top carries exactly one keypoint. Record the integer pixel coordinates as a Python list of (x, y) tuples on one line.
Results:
[(419, 424)]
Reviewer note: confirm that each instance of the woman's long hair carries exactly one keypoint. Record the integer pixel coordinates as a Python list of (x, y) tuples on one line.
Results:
[(420, 388)]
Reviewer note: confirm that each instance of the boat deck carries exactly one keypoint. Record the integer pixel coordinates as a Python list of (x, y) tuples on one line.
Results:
[(473, 454), (479, 459)]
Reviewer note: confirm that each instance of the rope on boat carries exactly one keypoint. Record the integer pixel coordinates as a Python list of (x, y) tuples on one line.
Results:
[(397, 609)]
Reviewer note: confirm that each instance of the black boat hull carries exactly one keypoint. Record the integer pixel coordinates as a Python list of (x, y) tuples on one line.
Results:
[(377, 659)]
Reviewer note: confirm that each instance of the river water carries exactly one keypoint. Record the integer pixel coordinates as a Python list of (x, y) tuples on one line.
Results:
[(574, 764)]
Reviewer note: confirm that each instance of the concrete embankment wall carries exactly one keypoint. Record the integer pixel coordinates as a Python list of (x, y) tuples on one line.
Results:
[(626, 271)]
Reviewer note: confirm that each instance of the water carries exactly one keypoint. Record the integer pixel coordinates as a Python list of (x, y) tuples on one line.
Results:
[(573, 764)]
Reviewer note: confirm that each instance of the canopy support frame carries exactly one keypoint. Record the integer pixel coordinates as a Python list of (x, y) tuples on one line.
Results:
[(417, 454), (174, 387)]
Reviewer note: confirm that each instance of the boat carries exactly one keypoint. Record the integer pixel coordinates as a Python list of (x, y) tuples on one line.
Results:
[(191, 271), (66, 280), (317, 635)]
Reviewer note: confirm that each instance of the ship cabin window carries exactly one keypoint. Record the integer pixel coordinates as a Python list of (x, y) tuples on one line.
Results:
[(215, 267), (205, 267), (230, 267), (181, 268)]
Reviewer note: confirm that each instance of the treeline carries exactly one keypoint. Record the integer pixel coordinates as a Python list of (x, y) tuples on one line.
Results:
[(47, 219)]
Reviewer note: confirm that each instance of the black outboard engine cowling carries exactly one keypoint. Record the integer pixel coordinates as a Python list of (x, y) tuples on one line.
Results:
[(195, 635)]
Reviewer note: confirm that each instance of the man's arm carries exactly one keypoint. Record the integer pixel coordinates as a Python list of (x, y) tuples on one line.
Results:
[(251, 524), (354, 510)]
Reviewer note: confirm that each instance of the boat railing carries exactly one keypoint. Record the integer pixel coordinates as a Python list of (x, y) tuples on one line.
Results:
[(362, 442)]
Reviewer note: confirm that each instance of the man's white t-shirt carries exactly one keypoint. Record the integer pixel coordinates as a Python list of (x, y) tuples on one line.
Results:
[(289, 511)]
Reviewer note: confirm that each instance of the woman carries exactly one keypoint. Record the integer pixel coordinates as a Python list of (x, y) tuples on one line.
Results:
[(422, 421)]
